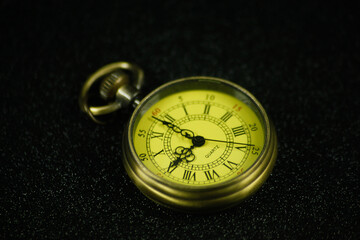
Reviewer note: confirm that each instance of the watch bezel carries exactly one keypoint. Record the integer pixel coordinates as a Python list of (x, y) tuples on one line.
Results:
[(198, 198)]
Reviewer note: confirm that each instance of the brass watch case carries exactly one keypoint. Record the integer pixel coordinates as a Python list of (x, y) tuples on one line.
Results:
[(200, 198)]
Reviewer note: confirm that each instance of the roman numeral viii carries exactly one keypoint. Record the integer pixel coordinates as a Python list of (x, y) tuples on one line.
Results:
[(188, 175), (211, 175)]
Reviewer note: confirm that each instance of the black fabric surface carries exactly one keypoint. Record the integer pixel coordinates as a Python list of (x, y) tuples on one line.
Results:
[(62, 175)]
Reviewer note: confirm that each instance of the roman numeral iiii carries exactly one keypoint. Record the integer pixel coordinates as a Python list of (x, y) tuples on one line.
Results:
[(238, 131)]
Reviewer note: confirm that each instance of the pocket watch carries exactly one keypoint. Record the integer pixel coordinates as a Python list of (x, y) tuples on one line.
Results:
[(195, 144)]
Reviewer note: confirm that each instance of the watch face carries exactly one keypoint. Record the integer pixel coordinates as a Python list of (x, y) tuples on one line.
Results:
[(196, 144), (198, 132)]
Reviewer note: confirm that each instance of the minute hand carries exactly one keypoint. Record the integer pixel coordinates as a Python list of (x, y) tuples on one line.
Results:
[(214, 140), (184, 132)]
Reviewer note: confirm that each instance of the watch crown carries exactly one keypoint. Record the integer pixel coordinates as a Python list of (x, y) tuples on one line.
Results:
[(112, 83)]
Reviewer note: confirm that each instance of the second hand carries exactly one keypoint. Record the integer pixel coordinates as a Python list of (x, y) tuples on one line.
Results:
[(213, 140)]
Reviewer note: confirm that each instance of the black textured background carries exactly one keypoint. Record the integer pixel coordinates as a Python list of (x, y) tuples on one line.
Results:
[(61, 174)]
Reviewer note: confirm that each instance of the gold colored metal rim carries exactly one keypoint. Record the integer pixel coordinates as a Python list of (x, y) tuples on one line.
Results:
[(201, 199)]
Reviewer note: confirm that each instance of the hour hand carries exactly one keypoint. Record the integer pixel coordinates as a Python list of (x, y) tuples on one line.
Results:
[(184, 154)]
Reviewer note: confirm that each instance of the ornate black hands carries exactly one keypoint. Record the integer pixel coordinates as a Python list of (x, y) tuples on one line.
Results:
[(186, 154), (183, 153), (184, 132)]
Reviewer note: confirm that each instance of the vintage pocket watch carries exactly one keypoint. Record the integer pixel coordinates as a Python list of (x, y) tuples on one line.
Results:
[(196, 144)]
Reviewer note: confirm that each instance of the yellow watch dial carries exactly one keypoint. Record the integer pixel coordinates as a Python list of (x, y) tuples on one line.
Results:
[(198, 137)]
